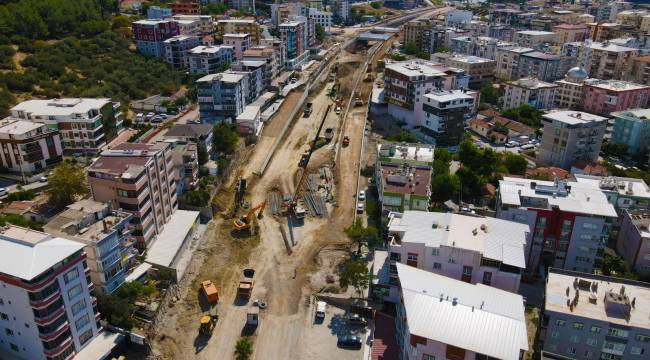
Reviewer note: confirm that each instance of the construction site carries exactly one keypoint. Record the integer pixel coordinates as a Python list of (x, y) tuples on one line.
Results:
[(281, 223)]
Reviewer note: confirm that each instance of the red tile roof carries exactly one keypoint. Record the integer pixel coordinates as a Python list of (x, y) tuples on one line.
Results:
[(384, 345)]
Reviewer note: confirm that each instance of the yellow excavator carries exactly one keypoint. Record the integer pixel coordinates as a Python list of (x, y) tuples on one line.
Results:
[(245, 222)]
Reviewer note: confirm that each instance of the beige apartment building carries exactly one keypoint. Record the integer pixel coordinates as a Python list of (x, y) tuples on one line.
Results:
[(631, 18), (529, 91), (640, 72), (599, 31), (565, 33), (233, 26), (607, 61), (507, 61), (141, 179), (479, 70), (645, 24), (570, 90), (28, 147), (534, 38)]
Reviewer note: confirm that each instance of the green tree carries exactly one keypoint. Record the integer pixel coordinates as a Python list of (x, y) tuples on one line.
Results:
[(440, 167), (224, 138), (489, 94), (611, 149), (376, 5), (516, 164), (67, 183), (410, 48), (117, 308), (443, 155), (525, 114), (214, 9), (444, 187), (202, 153), (356, 274), (423, 55), (398, 57), (472, 184), (181, 101), (500, 128), (243, 349), (320, 32), (403, 136), (363, 236), (443, 49), (614, 265)]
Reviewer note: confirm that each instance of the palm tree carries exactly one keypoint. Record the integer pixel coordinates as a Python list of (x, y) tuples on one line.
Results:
[(243, 349)]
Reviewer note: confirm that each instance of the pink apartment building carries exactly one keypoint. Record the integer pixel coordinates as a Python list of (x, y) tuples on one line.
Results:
[(240, 42), (472, 249), (141, 179), (606, 96)]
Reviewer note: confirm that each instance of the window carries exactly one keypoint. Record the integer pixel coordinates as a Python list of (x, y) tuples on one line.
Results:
[(2, 301), (588, 354), (571, 351), (574, 339), (437, 266), (14, 347), (578, 325), (609, 345), (9, 332), (617, 332), (635, 350), (435, 252), (452, 260), (555, 334), (559, 322), (428, 357), (71, 275), (590, 226), (74, 291), (412, 257), (87, 335), (595, 329), (467, 270), (592, 341), (82, 321), (642, 338), (396, 256), (78, 306), (4, 316), (487, 278)]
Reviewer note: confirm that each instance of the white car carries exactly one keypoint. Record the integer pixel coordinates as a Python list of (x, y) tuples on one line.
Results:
[(527, 147), (3, 191), (360, 207), (362, 195), (337, 110)]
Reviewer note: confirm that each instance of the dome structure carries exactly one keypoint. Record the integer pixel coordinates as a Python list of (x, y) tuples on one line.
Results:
[(577, 73)]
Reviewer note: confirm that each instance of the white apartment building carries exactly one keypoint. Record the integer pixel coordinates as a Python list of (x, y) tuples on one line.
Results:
[(239, 42), (197, 25), (569, 221), (472, 249), (534, 38), (177, 50), (322, 18), (444, 113), (209, 59), (341, 8), (46, 310), (443, 318), (531, 91), (82, 122), (507, 59), (28, 147)]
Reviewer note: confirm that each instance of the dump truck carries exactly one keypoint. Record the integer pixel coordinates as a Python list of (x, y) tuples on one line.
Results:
[(308, 109), (210, 291), (246, 284), (358, 101), (208, 323), (245, 222)]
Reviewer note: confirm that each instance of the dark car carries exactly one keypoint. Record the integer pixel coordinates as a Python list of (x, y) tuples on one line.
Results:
[(349, 342), (355, 319)]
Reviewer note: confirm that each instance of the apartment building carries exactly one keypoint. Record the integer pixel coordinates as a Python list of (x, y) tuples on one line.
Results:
[(185, 7), (544, 66), (195, 133), (138, 178), (633, 243), (569, 137), (186, 162), (149, 35), (157, 12), (106, 236), (533, 38), (197, 25), (405, 82), (209, 59), (253, 72), (270, 57), (570, 92), (607, 61), (570, 222), (85, 125), (442, 318), (418, 32), (457, 18), (481, 46), (221, 96), (565, 33), (603, 31), (46, 308), (594, 317), (239, 42), (231, 26), (632, 129), (177, 50), (341, 9), (444, 113), (507, 61), (403, 174), (28, 147), (640, 72), (473, 249), (479, 70), (606, 96), (246, 6), (531, 91), (294, 35)]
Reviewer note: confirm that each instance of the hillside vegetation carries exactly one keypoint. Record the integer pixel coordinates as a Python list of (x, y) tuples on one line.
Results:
[(53, 48)]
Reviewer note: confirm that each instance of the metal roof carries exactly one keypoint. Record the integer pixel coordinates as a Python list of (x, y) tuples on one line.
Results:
[(169, 242), (478, 318)]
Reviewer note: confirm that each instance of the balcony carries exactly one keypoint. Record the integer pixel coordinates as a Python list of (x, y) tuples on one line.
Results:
[(39, 304), (59, 349), (48, 319), (91, 287), (55, 333)]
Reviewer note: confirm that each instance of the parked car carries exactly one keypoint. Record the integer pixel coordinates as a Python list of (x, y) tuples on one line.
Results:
[(3, 191), (293, 80), (321, 306), (355, 319), (337, 110), (43, 178), (157, 119), (360, 208), (349, 342), (511, 144), (163, 115), (150, 115), (527, 147), (362, 195)]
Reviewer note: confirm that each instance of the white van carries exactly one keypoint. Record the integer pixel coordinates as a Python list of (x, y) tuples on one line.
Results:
[(320, 310), (3, 191)]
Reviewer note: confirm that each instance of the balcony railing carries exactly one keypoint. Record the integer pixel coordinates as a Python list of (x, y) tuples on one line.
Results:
[(48, 319), (39, 304), (56, 332), (59, 349)]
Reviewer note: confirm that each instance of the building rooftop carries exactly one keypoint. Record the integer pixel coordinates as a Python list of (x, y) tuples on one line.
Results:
[(535, 32), (604, 298), (615, 85), (470, 59), (567, 196), (541, 55), (237, 21), (211, 49), (479, 318), (258, 51), (169, 242), (640, 218), (495, 239), (406, 179), (416, 68), (226, 77), (448, 95), (12, 126), (621, 185), (571, 26), (518, 49), (643, 114), (179, 38), (531, 83), (404, 152), (126, 160), (151, 22), (60, 107), (26, 253), (572, 117), (607, 46), (189, 130), (237, 35)]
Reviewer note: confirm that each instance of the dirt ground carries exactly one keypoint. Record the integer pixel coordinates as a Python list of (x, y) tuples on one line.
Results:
[(285, 282)]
